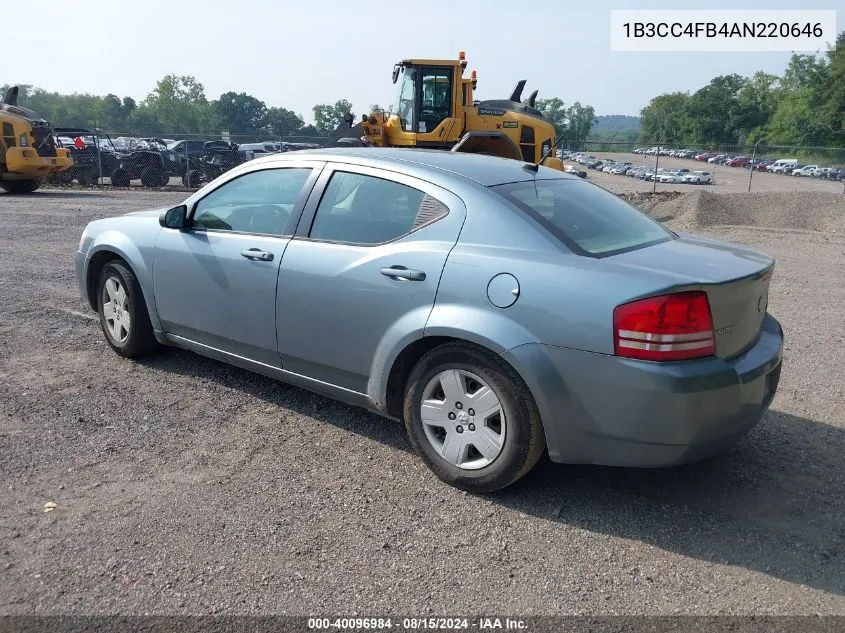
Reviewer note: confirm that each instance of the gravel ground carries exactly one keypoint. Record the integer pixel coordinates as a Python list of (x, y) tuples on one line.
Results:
[(182, 485)]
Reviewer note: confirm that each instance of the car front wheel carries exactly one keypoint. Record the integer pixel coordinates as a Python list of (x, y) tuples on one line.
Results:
[(123, 312), (471, 418)]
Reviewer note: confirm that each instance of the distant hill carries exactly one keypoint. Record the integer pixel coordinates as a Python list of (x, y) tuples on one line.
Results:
[(616, 123)]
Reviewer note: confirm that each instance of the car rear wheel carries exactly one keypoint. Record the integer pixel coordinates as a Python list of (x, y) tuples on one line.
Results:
[(471, 418), (123, 312)]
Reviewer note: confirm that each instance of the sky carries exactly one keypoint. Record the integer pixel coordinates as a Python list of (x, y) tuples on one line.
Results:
[(295, 54)]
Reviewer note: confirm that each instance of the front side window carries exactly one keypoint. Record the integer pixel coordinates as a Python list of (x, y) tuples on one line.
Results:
[(585, 217), (257, 202), (406, 95), (360, 209)]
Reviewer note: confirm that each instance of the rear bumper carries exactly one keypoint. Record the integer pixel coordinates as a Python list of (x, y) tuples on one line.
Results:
[(26, 161), (600, 409)]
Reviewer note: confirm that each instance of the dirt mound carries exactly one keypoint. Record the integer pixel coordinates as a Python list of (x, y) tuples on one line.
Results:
[(815, 211)]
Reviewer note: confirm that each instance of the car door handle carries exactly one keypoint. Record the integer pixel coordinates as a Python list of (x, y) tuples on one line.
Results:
[(255, 253), (400, 272)]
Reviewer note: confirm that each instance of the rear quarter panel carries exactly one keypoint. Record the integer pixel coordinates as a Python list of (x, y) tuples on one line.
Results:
[(564, 299)]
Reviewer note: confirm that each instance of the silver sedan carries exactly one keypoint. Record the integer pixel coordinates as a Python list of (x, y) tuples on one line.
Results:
[(498, 309)]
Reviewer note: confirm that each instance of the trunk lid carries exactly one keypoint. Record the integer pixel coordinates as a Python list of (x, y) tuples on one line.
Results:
[(735, 277)]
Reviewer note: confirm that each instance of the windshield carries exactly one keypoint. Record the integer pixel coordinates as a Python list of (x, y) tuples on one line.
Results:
[(585, 217), (403, 106)]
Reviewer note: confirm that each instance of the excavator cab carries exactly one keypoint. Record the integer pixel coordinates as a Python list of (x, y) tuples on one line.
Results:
[(425, 111), (425, 97), (434, 107)]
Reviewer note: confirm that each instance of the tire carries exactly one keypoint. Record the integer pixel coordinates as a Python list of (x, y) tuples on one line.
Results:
[(132, 337), (88, 176), (192, 178), (152, 176), (20, 186), (120, 178), (516, 428)]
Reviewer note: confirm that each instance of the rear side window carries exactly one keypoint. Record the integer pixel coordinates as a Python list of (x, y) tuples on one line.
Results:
[(586, 218), (359, 209)]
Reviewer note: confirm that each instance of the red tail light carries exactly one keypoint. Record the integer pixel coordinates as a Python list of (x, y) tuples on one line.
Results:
[(678, 326)]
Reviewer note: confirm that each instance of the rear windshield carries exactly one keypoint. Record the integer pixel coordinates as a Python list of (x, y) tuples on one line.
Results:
[(585, 217)]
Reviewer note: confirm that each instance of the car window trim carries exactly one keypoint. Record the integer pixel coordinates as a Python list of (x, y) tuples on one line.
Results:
[(316, 168), (309, 212)]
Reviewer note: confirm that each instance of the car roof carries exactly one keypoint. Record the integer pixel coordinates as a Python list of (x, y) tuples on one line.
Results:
[(483, 169)]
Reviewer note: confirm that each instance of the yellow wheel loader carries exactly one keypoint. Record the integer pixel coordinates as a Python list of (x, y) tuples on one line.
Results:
[(28, 152), (434, 108)]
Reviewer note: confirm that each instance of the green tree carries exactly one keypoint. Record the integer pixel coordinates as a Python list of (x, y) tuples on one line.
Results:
[(282, 122), (798, 121), (833, 94), (328, 117), (666, 119), (179, 105), (309, 130), (714, 109), (555, 111), (240, 113), (581, 119), (757, 101), (804, 71)]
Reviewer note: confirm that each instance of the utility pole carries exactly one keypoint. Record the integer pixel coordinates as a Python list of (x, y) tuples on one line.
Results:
[(753, 166)]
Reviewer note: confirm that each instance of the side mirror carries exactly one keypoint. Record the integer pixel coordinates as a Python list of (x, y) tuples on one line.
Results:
[(174, 218), (396, 73), (348, 117)]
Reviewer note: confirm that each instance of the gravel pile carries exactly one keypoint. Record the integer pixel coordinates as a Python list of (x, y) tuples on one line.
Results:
[(815, 211)]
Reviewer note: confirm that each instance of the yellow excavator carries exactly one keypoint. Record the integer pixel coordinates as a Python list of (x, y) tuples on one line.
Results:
[(435, 108), (28, 152)]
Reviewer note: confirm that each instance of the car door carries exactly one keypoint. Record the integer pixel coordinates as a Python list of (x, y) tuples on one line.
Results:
[(215, 281), (362, 270)]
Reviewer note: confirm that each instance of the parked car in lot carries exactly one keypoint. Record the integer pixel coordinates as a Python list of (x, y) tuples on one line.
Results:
[(717, 158), (821, 172), (671, 175), (806, 170), (570, 169), (738, 161), (698, 178), (758, 164), (409, 282), (782, 165), (668, 177)]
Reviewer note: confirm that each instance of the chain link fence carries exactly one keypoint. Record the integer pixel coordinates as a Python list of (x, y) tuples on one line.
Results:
[(169, 160), (644, 167), (189, 161)]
